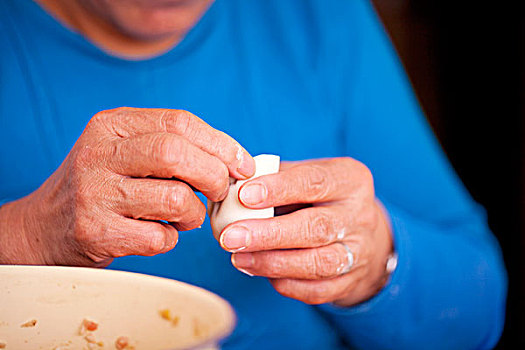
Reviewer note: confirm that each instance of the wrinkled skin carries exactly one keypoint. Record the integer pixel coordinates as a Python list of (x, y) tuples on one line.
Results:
[(118, 180), (133, 167), (301, 252)]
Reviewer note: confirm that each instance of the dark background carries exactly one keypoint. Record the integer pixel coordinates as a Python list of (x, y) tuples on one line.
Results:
[(467, 67)]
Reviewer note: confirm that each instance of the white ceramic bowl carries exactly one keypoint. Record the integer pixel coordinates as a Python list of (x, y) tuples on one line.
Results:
[(123, 304)]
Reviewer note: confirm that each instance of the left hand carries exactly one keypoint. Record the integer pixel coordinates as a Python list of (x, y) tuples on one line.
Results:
[(303, 252)]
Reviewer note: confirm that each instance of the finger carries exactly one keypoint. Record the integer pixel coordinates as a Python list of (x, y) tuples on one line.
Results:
[(312, 264), (155, 199), (305, 228), (127, 122), (307, 182), (286, 164), (135, 237), (165, 155), (348, 287), (287, 209)]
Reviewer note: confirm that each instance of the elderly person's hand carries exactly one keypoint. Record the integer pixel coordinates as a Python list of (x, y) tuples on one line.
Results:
[(130, 169), (308, 253)]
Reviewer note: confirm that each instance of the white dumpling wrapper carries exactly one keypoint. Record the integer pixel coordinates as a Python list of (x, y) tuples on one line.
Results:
[(230, 209)]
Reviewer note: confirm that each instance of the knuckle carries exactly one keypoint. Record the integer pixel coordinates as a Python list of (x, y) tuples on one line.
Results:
[(165, 118), (226, 148), (215, 144), (235, 150), (165, 151), (201, 216), (181, 121), (100, 117), (364, 177), (104, 118), (326, 262), (156, 241), (122, 115), (272, 235), (319, 229), (194, 216), (195, 223), (121, 110), (219, 182), (316, 183), (348, 162), (174, 199), (183, 208), (222, 178), (86, 233), (270, 264)]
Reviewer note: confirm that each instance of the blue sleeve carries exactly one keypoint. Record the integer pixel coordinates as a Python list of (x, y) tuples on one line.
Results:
[(449, 289)]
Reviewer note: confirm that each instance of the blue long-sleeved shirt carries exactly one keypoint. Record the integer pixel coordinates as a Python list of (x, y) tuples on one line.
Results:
[(298, 78)]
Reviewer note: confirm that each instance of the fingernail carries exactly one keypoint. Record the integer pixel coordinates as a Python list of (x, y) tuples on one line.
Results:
[(253, 193), (236, 262), (235, 239), (246, 163), (246, 272), (243, 260)]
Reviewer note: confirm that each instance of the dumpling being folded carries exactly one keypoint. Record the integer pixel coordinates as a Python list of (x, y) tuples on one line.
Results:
[(230, 209)]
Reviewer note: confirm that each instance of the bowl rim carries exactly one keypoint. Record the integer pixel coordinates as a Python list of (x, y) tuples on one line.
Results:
[(90, 271)]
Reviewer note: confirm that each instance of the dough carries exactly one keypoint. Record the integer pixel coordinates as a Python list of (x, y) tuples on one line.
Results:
[(230, 209)]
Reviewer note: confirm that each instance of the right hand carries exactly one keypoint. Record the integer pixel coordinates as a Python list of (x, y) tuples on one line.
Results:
[(129, 169)]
